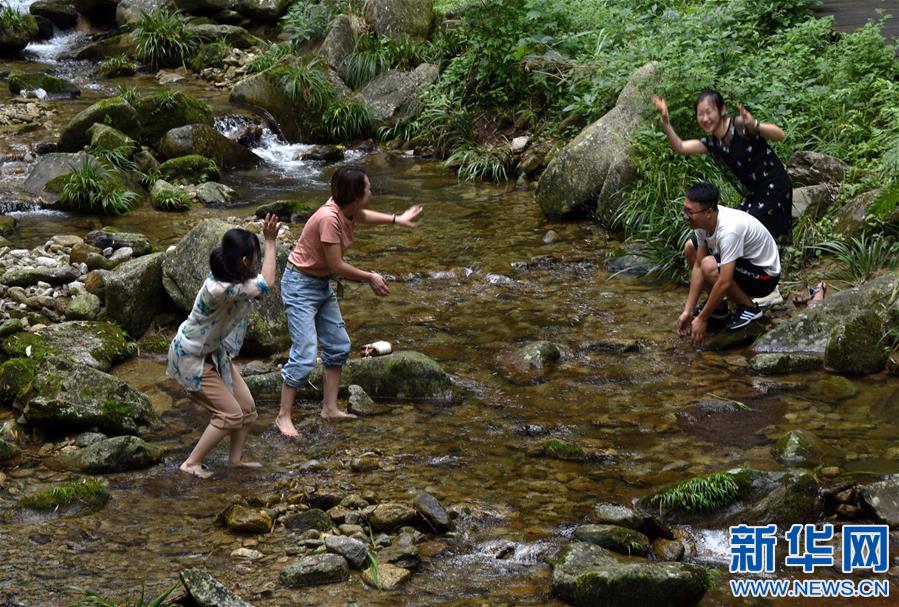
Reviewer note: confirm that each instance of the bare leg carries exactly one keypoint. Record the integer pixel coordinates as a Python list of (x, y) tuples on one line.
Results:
[(238, 440), (283, 422), (690, 253), (710, 274), (330, 389), (194, 462)]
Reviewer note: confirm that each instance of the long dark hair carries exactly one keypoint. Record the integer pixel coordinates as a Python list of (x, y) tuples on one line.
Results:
[(712, 94), (347, 184), (225, 259)]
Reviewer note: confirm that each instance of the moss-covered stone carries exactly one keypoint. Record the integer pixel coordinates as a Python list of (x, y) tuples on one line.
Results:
[(116, 239), (209, 56), (28, 345), (799, 448), (85, 495), (114, 46), (192, 168), (158, 114), (559, 449), (116, 454), (114, 112), (115, 67), (8, 451), (134, 293), (16, 375), (10, 326), (404, 374), (108, 138), (781, 363), (95, 344), (618, 539), (291, 211), (83, 306), (29, 277), (16, 36), (308, 519), (204, 140), (53, 86), (856, 345)]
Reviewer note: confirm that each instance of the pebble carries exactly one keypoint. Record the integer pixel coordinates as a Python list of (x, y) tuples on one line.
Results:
[(47, 262), (247, 554), (107, 251)]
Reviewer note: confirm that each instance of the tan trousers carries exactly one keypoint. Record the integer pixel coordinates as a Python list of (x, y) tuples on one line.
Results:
[(229, 411)]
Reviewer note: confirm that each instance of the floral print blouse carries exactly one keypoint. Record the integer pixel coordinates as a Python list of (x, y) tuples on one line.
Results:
[(215, 328)]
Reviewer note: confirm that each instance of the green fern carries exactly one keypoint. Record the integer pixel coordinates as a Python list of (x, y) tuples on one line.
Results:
[(698, 494)]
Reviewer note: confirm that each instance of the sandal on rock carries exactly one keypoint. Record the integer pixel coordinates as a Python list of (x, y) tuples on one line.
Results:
[(821, 288)]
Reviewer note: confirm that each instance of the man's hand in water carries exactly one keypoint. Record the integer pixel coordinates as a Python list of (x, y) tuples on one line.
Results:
[(662, 107), (698, 329), (683, 324)]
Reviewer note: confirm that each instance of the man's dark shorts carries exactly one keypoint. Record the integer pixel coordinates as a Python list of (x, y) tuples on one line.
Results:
[(751, 278)]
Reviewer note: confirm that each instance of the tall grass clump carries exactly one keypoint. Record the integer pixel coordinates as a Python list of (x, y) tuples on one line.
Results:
[(347, 119), (90, 188), (369, 58), (307, 83), (483, 162), (701, 493), (270, 56), (172, 200), (863, 256), (309, 20), (92, 599), (164, 39)]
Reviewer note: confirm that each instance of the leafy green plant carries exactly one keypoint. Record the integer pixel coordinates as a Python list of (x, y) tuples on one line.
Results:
[(347, 119), (166, 99), (700, 493), (444, 123), (373, 561), (86, 491), (172, 200), (92, 599), (89, 188), (120, 65), (308, 20), (491, 163), (11, 19), (308, 83), (129, 93), (210, 55), (271, 55), (862, 256), (119, 156), (163, 38), (369, 58)]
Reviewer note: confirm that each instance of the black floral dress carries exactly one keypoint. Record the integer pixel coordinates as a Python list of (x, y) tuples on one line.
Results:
[(758, 174)]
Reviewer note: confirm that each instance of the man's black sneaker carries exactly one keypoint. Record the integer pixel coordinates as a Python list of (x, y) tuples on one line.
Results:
[(721, 312), (743, 316)]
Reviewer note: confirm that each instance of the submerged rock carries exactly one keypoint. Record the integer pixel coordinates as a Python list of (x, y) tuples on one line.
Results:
[(68, 499), (586, 575), (799, 448), (618, 539), (308, 519), (361, 403), (206, 591), (315, 570), (883, 499), (115, 454)]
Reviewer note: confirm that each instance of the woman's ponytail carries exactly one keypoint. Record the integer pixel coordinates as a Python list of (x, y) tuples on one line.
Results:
[(226, 260)]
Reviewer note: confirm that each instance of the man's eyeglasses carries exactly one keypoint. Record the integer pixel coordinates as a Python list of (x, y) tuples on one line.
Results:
[(688, 213)]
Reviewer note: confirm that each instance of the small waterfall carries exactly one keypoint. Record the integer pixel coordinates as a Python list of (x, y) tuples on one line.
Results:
[(282, 157), (509, 553), (57, 48), (712, 546)]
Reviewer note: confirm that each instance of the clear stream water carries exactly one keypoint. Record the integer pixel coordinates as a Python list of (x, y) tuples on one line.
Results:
[(474, 282)]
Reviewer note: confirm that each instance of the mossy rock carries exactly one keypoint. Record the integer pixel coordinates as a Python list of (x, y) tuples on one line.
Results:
[(116, 454), (782, 363), (83, 306), (111, 237), (613, 537), (192, 168), (10, 326), (95, 344), (31, 81), (8, 451), (108, 138), (154, 342), (68, 396), (290, 211), (559, 449), (799, 448), (16, 376), (76, 497), (30, 276), (404, 374), (7, 225), (135, 295), (28, 345), (158, 114), (123, 44), (114, 68), (15, 38), (308, 519), (856, 345), (209, 55), (114, 112), (204, 140)]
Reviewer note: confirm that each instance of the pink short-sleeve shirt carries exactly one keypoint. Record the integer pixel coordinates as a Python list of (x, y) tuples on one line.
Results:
[(328, 225)]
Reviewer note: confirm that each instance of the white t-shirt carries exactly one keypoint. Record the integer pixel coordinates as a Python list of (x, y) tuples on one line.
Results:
[(739, 235)]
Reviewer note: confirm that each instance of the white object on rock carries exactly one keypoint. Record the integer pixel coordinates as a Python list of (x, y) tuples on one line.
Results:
[(520, 144), (377, 348)]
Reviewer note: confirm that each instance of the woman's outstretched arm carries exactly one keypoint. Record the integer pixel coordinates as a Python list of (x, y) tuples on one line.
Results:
[(769, 131), (688, 147)]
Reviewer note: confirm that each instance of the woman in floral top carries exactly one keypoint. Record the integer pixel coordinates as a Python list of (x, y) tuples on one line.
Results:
[(200, 354)]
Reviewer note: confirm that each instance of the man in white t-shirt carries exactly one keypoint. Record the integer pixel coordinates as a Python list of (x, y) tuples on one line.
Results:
[(736, 257)]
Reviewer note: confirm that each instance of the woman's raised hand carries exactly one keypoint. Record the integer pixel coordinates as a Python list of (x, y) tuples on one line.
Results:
[(746, 117), (270, 226), (407, 218), (661, 106)]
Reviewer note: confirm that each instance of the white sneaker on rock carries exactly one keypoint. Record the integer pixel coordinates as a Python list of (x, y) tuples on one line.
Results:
[(771, 299)]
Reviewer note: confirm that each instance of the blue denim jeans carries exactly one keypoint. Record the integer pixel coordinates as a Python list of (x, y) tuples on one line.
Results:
[(313, 318)]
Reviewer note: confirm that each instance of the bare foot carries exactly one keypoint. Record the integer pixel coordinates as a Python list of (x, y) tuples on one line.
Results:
[(336, 414), (286, 427), (195, 469), (243, 464)]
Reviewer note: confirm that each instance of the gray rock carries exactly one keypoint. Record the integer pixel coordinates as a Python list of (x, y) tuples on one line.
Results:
[(361, 403), (584, 574), (808, 168), (531, 362), (389, 516), (8, 451), (88, 438), (812, 201), (402, 555), (799, 448), (354, 551), (95, 344), (262, 10), (315, 570), (596, 165), (392, 97), (207, 591), (400, 18), (339, 43), (856, 346), (107, 238), (130, 12), (308, 519), (123, 44), (69, 396), (114, 112), (214, 194), (430, 509), (83, 306), (204, 140), (29, 276), (614, 514), (618, 539), (782, 363), (882, 498), (60, 13), (851, 220), (115, 454), (21, 83), (134, 293)]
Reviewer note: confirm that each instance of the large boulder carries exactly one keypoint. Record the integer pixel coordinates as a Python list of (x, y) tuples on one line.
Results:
[(130, 12), (622, 540), (94, 344), (593, 169), (808, 168), (106, 48), (204, 140), (114, 112), (185, 269), (28, 276), (134, 293), (105, 137), (206, 591), (856, 345), (339, 43), (158, 114), (111, 238), (48, 167), (744, 495), (115, 454), (60, 13), (400, 18), (262, 10), (814, 330), (393, 96), (192, 168), (68, 396), (587, 575), (882, 498), (58, 88), (812, 200), (851, 220), (233, 35), (16, 36)]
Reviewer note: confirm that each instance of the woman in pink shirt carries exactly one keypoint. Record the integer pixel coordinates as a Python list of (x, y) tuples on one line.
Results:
[(313, 315)]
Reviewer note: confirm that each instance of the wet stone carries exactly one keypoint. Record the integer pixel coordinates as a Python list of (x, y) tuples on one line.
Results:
[(361, 403), (242, 519), (668, 550), (389, 577), (781, 363), (315, 570), (619, 539), (799, 448), (883, 499), (308, 519), (354, 551), (206, 591), (402, 555), (385, 517), (431, 510), (605, 513)]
